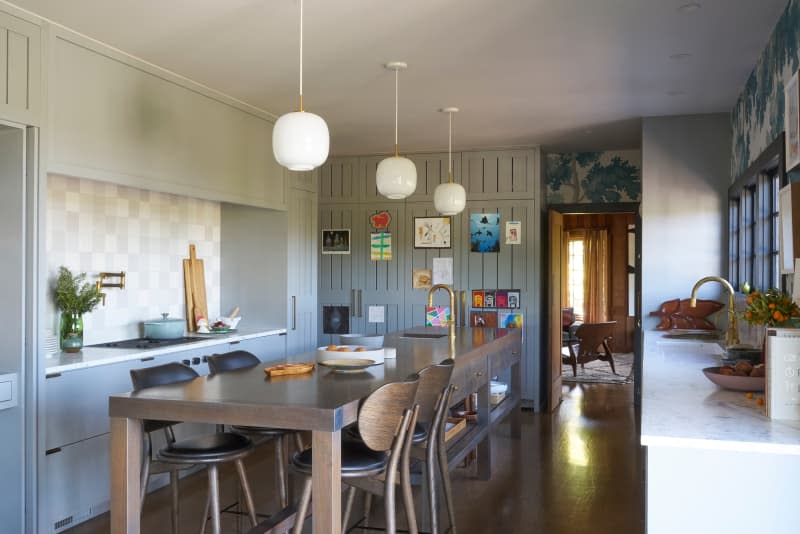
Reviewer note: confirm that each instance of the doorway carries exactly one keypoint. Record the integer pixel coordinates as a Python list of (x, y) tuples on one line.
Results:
[(594, 260)]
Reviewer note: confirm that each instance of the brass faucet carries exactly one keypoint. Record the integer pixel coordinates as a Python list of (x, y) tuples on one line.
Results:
[(452, 322), (732, 335)]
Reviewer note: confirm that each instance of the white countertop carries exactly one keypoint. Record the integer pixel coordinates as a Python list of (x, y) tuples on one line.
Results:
[(682, 408), (94, 356)]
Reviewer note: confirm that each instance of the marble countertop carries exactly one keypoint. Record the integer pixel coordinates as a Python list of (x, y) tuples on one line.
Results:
[(682, 408), (94, 356)]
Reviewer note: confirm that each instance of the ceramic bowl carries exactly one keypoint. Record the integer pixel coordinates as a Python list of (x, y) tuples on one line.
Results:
[(359, 339), (736, 383)]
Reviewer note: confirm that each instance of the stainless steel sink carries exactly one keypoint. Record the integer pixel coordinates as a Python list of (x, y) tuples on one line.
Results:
[(422, 335)]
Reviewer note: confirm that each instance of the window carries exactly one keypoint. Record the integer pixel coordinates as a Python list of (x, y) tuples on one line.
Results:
[(575, 280)]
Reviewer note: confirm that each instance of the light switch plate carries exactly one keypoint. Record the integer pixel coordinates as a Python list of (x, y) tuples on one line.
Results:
[(8, 390)]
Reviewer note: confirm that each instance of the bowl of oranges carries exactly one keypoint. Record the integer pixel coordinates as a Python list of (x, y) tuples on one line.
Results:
[(362, 352)]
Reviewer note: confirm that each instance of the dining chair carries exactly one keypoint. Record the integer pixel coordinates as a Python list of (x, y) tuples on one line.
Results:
[(428, 445), (241, 359), (385, 418), (592, 343), (210, 450)]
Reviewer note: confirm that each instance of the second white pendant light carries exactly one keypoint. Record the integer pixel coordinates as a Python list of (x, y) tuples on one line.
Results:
[(300, 140), (449, 198), (396, 176)]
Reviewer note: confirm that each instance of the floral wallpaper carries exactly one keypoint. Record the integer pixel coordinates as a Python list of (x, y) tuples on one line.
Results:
[(594, 177), (757, 118)]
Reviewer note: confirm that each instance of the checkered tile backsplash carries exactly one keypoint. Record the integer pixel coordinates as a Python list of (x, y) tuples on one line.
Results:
[(96, 226)]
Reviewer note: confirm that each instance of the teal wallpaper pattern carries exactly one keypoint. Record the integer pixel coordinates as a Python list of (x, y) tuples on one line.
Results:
[(594, 177), (757, 118)]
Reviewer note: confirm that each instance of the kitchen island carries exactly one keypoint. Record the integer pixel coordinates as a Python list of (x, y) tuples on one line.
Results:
[(715, 462), (322, 402)]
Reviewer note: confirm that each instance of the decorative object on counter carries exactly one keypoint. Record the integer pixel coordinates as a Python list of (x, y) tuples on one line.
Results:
[(443, 271), (792, 121), (284, 369), (510, 320), (449, 198), (101, 283), (336, 241), (396, 176), (783, 373), (484, 232), (380, 220), (164, 328), (73, 297), (676, 314), (770, 308), (438, 316), (421, 278), (483, 319), (380, 246), (354, 351), (726, 378), (348, 365), (335, 319), (202, 326), (432, 232), (513, 233), (300, 140), (194, 285), (732, 334)]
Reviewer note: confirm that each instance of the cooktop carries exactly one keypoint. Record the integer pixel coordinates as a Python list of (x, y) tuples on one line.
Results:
[(144, 343)]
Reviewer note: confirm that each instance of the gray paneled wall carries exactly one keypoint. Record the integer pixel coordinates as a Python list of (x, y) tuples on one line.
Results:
[(497, 181)]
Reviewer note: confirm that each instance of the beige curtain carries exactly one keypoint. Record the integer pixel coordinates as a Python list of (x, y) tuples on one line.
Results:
[(596, 272)]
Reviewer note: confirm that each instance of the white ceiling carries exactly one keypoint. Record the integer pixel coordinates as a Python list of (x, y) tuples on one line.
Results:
[(567, 74)]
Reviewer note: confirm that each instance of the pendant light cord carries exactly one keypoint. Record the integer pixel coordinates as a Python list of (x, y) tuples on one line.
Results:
[(301, 55), (396, 77), (450, 150)]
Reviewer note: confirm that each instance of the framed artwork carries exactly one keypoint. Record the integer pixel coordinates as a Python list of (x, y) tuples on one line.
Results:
[(421, 279), (380, 220), (483, 319), (509, 320), (336, 241), (336, 319), (438, 315), (789, 240), (443, 271), (477, 298), (432, 232), (380, 246), (484, 232), (513, 298), (513, 232), (488, 299), (792, 122), (501, 298)]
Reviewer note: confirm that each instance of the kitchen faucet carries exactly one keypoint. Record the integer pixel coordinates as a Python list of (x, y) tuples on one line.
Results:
[(452, 322), (732, 335)]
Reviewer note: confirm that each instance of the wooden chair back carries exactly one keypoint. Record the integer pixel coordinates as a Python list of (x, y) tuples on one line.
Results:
[(593, 335), (432, 381), (231, 361), (381, 414)]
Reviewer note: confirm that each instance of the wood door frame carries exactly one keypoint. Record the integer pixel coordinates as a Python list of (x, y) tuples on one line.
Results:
[(615, 207)]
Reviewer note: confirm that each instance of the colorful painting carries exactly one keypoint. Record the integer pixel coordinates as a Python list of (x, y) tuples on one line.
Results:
[(513, 298), (488, 299), (758, 117), (380, 220), (484, 319), (336, 241), (510, 320), (432, 232), (421, 278), (477, 298), (513, 232), (336, 319), (484, 231), (501, 298), (380, 246), (594, 177), (437, 316)]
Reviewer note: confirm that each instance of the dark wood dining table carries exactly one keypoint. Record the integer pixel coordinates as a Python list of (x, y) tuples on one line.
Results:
[(322, 402)]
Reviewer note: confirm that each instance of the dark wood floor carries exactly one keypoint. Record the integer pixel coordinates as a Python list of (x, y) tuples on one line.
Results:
[(577, 471)]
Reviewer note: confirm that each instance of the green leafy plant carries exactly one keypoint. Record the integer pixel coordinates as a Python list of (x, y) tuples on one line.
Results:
[(73, 295), (771, 307)]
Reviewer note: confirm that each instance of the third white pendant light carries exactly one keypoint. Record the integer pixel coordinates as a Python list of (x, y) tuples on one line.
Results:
[(396, 176), (300, 140), (449, 198)]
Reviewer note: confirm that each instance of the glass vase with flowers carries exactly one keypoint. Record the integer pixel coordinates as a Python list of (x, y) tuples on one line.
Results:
[(73, 297), (770, 308)]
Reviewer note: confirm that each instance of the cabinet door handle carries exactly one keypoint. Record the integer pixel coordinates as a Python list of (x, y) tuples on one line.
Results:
[(234, 342), (52, 375), (360, 303), (478, 373), (147, 359), (352, 303), (294, 312)]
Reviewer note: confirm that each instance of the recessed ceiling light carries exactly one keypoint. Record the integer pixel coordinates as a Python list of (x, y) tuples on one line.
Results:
[(688, 8), (676, 92), (680, 57)]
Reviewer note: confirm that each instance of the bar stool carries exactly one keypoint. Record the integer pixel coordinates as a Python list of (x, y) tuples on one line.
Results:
[(241, 359), (210, 450), (384, 420)]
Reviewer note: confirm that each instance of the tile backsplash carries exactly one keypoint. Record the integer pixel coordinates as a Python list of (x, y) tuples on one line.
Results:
[(96, 226)]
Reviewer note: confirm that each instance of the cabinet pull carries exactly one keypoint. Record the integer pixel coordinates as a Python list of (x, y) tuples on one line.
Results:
[(52, 375), (294, 312), (147, 359), (360, 303), (54, 450), (234, 342), (478, 373), (456, 388), (352, 303)]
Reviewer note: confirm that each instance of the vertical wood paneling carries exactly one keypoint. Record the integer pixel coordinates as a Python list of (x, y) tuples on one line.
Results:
[(505, 175), (499, 175), (490, 175), (3, 65), (18, 78), (339, 180), (20, 70)]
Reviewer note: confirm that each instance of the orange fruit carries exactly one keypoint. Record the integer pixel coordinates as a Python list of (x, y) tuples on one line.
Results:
[(749, 395), (331, 347), (361, 349), (760, 401)]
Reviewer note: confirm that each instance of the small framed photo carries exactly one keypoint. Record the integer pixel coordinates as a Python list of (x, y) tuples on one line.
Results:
[(336, 241), (792, 126), (432, 232), (513, 232)]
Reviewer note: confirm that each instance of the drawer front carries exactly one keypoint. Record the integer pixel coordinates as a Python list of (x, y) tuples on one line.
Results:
[(503, 359), (469, 377)]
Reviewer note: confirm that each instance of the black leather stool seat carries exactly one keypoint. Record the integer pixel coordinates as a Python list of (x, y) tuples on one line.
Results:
[(260, 430), (357, 458), (223, 446)]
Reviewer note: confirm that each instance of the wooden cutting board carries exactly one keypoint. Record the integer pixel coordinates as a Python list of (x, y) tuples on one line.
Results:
[(194, 283)]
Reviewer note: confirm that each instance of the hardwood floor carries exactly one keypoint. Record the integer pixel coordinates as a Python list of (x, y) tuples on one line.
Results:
[(576, 471)]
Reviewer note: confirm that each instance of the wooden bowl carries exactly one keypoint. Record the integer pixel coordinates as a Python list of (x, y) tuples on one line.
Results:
[(736, 383)]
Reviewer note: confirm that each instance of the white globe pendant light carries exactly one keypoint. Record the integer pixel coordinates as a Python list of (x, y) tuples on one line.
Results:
[(396, 176), (449, 198), (300, 140)]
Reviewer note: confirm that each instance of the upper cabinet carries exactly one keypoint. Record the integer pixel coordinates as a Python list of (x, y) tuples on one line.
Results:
[(20, 70), (117, 119), (499, 174)]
